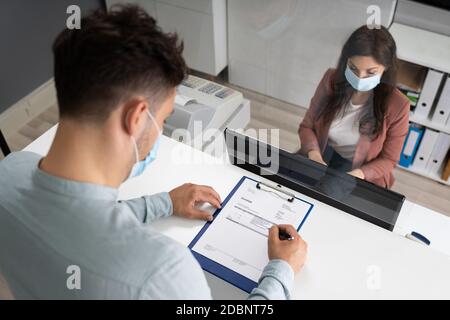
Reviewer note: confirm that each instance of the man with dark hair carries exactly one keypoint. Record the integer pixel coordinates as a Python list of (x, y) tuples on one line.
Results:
[(59, 215)]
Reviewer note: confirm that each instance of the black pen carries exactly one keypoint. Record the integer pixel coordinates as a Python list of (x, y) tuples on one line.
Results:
[(283, 235)]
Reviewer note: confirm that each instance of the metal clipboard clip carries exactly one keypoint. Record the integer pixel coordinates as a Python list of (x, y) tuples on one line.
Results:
[(275, 190)]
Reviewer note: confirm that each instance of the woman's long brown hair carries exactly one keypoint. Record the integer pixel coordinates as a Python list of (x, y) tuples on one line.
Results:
[(378, 44)]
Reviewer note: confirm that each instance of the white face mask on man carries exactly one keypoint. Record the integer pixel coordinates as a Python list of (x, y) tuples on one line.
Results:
[(140, 165)]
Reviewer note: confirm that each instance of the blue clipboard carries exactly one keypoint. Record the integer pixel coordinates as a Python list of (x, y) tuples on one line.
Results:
[(219, 270)]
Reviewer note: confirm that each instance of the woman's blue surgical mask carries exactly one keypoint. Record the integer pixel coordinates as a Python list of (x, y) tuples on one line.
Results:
[(361, 84), (141, 165)]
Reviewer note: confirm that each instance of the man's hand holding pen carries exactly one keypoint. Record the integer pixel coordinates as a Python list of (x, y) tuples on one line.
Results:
[(286, 244)]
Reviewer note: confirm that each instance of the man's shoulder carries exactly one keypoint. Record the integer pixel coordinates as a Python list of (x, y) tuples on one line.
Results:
[(20, 159), (16, 169)]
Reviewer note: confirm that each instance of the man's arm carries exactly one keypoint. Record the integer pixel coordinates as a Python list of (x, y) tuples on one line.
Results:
[(184, 279), (181, 277), (187, 197), (150, 208), (286, 258), (181, 201), (275, 282)]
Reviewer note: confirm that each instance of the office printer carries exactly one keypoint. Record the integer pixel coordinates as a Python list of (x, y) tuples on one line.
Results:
[(201, 105)]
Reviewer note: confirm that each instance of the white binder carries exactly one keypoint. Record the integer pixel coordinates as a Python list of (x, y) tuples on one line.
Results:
[(428, 94), (425, 149), (439, 152), (442, 111)]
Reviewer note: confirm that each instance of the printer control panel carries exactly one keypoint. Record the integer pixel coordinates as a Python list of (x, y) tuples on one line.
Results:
[(193, 82), (195, 87), (197, 99)]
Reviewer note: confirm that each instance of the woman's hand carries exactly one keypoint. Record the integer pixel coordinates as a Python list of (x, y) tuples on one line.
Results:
[(358, 173), (316, 156)]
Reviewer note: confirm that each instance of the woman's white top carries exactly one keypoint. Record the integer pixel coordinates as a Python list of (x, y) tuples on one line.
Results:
[(344, 131)]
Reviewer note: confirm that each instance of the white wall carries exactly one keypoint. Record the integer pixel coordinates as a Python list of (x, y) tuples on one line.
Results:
[(200, 23), (282, 48)]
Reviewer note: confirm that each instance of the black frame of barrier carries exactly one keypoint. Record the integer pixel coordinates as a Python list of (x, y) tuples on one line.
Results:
[(371, 190), (3, 145)]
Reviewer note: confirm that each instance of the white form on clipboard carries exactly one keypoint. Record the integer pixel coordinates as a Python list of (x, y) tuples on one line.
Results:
[(237, 238)]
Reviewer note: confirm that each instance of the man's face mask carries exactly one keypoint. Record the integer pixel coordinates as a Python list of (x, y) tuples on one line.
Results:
[(141, 165), (361, 84)]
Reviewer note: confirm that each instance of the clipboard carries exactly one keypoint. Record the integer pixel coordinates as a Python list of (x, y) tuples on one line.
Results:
[(221, 271)]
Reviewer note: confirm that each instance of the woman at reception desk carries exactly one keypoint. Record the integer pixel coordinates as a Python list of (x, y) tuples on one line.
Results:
[(357, 120)]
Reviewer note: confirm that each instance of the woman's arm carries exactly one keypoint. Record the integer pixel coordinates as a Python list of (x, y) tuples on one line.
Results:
[(307, 135), (392, 146)]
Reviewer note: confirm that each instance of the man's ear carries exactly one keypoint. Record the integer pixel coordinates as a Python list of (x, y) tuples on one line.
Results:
[(134, 116)]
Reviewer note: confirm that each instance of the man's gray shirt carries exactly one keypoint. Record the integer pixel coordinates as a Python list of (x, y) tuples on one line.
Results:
[(63, 239)]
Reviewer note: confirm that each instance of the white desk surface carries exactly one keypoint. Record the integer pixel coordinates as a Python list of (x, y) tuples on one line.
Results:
[(345, 253)]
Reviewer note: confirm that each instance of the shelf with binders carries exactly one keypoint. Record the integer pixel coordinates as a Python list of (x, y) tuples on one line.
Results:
[(430, 101), (423, 76), (428, 91), (426, 152), (423, 173), (427, 122)]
